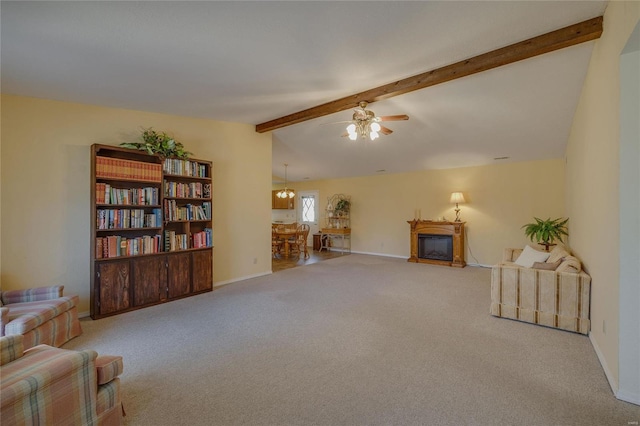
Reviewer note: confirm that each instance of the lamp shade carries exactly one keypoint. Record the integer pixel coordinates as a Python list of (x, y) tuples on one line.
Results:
[(457, 198)]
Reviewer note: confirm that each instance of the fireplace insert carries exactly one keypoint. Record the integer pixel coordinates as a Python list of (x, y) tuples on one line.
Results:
[(435, 247)]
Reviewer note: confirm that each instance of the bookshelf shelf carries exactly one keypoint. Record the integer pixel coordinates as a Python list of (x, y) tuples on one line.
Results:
[(187, 199), (146, 228), (128, 181), (187, 177), (137, 266), (129, 206)]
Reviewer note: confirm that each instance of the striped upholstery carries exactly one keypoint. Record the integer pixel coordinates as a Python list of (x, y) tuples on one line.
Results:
[(32, 294), (11, 348), (42, 315), (26, 316), (550, 298), (58, 387), (109, 367), (108, 404)]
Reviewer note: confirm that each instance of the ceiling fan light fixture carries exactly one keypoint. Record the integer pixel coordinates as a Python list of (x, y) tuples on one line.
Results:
[(365, 124)]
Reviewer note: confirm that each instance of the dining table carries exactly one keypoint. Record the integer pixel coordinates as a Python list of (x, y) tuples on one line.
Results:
[(284, 234)]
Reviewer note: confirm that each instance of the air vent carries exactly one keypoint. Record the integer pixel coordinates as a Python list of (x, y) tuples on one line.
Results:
[(501, 158)]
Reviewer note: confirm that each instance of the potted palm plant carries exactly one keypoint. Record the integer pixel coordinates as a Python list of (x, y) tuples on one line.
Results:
[(545, 232)]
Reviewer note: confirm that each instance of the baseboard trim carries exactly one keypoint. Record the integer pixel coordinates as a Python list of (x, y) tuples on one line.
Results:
[(480, 265), (84, 314), (246, 277), (380, 254), (613, 384), (633, 398)]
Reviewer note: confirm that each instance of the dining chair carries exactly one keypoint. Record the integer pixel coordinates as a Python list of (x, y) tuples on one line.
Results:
[(299, 243), (276, 243)]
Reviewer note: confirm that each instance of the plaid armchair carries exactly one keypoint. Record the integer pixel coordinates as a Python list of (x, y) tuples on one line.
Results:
[(50, 386), (42, 315)]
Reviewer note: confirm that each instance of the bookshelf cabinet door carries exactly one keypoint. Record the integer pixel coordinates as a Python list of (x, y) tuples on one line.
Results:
[(178, 275), (149, 280), (113, 286), (202, 270)]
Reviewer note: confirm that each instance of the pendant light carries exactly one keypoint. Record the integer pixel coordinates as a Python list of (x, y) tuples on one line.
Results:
[(285, 193)]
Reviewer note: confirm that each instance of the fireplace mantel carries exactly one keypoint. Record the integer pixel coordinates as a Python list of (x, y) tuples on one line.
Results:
[(455, 229)]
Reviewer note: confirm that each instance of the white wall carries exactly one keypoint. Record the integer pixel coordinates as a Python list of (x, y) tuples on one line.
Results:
[(592, 180), (629, 335)]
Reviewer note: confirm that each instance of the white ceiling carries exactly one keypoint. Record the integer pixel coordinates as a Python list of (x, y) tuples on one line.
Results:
[(252, 62)]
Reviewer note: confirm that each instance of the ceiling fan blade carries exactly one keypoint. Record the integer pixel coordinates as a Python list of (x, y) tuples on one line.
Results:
[(394, 117), (385, 130), (337, 122)]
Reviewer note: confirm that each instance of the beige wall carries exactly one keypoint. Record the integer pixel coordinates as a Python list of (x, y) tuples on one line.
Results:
[(592, 174), (45, 189), (500, 199)]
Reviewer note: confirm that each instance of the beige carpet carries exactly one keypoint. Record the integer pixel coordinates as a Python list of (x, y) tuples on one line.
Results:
[(356, 340)]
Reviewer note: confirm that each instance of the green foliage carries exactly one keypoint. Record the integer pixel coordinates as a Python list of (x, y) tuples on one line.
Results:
[(158, 143), (343, 205), (547, 231)]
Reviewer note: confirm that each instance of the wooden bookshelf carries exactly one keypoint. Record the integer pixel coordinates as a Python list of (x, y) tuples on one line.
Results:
[(151, 229)]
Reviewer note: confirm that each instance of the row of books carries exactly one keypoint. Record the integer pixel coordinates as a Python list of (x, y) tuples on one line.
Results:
[(176, 166), (128, 218), (187, 190), (117, 245), (106, 194), (174, 212), (202, 239), (173, 241), (117, 168)]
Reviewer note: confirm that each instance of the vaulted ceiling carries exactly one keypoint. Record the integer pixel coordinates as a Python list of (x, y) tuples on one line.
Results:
[(253, 62)]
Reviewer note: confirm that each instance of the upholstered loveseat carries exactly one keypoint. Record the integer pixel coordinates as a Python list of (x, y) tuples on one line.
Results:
[(42, 315), (44, 385), (554, 292)]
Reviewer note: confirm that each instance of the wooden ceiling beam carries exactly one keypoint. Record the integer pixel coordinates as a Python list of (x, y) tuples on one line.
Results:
[(559, 39)]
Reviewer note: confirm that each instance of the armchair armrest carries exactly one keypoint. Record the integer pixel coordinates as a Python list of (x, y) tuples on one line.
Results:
[(4, 319), (32, 294), (11, 348), (108, 367)]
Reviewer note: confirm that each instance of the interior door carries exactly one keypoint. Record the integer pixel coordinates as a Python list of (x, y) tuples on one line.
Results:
[(309, 212)]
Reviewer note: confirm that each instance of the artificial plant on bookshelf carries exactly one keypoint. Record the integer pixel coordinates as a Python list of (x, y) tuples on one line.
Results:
[(152, 229)]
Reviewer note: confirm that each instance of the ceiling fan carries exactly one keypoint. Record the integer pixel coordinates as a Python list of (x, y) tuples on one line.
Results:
[(366, 124)]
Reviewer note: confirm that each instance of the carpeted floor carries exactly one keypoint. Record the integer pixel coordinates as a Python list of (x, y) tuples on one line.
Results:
[(355, 340)]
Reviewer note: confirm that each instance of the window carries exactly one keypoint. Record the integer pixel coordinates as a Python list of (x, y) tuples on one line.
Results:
[(308, 208)]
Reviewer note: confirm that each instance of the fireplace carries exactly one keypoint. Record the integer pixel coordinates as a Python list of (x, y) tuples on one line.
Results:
[(440, 243), (435, 247)]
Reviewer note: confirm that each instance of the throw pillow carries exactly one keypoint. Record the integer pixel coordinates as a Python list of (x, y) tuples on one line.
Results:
[(530, 255), (546, 265), (559, 252), (570, 264)]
